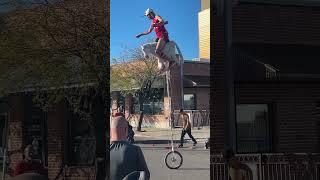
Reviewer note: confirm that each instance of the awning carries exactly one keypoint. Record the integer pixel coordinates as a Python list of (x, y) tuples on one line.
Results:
[(196, 81)]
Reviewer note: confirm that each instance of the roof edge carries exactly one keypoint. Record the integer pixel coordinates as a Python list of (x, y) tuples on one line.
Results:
[(306, 3)]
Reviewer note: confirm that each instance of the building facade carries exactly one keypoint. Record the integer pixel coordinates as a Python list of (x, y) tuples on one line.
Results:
[(276, 82), (204, 30), (64, 143), (266, 43)]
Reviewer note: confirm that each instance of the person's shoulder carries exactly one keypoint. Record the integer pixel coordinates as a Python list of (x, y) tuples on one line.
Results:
[(158, 17), (124, 144), (132, 146)]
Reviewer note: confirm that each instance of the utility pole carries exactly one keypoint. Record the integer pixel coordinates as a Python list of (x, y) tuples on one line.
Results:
[(230, 124), (182, 79)]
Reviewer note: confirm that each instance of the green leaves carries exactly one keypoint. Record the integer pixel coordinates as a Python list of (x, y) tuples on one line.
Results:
[(133, 74), (56, 51)]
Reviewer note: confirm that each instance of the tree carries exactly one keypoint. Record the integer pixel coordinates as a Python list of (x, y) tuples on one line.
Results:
[(134, 74), (58, 50)]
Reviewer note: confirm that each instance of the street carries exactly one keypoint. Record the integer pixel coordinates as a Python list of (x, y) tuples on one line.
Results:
[(195, 161)]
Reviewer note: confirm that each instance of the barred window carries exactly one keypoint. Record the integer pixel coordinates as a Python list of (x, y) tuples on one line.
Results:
[(35, 131), (189, 102), (82, 142), (253, 128)]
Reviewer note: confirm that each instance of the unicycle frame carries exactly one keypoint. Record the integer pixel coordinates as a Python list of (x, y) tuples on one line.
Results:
[(168, 93), (175, 153)]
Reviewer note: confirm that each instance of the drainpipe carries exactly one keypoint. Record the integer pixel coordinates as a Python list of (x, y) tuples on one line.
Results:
[(5, 142), (182, 74), (230, 123), (5, 149)]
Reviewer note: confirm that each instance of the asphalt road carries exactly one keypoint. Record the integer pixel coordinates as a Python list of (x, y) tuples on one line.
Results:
[(195, 161)]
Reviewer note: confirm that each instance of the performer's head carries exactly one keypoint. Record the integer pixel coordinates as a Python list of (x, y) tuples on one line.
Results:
[(149, 13)]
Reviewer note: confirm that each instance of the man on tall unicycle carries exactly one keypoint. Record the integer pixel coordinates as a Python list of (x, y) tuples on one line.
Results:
[(158, 25)]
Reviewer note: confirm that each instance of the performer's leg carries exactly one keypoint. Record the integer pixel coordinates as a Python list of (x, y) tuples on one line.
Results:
[(160, 45)]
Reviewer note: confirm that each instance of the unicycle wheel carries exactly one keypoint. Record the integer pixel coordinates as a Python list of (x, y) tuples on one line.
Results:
[(173, 160)]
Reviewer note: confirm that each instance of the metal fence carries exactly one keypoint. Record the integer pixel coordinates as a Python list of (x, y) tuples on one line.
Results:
[(198, 118), (273, 166), (4, 160)]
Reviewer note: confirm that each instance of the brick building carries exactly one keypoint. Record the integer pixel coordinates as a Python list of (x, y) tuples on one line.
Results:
[(64, 143), (275, 84), (59, 135), (276, 79), (204, 29)]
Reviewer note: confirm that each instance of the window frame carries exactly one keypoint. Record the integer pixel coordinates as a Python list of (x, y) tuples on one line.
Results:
[(271, 131), (30, 107), (69, 145), (151, 103), (194, 100)]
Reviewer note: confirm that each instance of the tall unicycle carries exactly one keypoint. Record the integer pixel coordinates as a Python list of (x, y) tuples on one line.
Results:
[(173, 158)]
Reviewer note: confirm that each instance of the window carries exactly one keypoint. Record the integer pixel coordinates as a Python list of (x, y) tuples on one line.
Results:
[(152, 105), (35, 131), (253, 128), (136, 107), (82, 142), (121, 103), (189, 102), (3, 119)]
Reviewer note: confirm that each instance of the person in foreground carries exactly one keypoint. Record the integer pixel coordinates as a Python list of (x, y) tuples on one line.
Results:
[(237, 170), (126, 160), (29, 176), (29, 165)]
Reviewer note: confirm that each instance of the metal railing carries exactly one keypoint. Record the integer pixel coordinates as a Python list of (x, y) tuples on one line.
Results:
[(6, 171), (295, 166)]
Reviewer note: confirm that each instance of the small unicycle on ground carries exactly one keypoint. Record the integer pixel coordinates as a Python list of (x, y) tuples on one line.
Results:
[(173, 158)]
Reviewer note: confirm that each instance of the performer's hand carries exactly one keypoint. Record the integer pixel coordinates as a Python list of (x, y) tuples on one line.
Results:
[(166, 22)]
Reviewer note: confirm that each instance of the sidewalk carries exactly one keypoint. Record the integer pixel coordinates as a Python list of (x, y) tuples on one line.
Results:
[(159, 135)]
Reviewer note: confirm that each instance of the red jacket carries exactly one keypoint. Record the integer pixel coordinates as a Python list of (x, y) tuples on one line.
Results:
[(30, 167)]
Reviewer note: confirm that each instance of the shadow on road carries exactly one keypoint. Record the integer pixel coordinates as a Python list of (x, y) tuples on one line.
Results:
[(165, 141), (200, 169)]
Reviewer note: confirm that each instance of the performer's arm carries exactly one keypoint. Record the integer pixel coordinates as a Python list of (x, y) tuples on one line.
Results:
[(145, 33)]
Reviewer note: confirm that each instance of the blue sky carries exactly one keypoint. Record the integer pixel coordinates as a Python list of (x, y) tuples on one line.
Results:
[(128, 20)]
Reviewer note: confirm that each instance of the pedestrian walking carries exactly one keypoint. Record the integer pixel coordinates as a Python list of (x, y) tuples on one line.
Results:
[(186, 128)]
